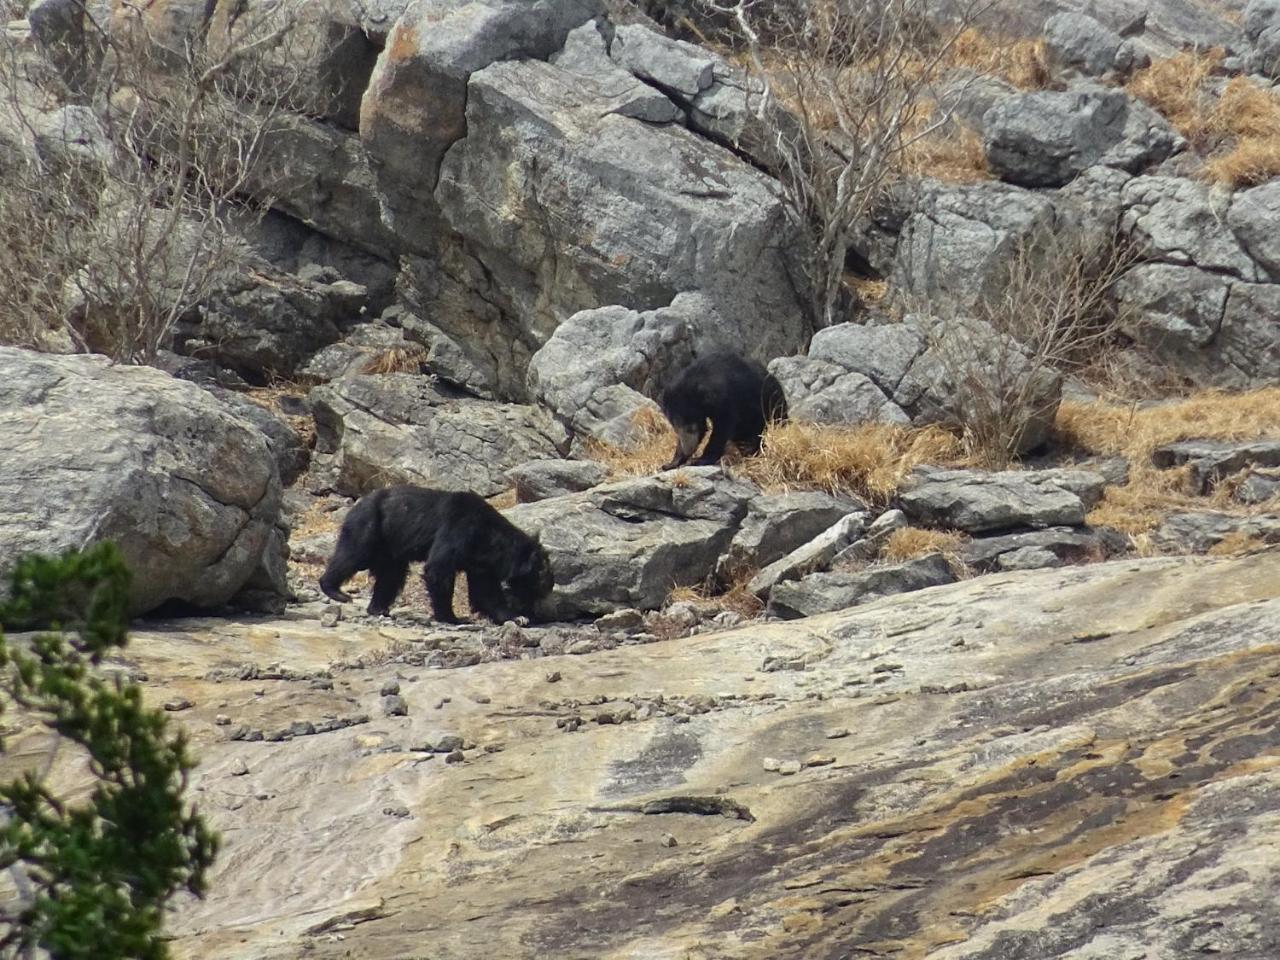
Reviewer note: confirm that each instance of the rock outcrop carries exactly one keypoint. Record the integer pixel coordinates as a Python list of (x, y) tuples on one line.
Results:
[(187, 490)]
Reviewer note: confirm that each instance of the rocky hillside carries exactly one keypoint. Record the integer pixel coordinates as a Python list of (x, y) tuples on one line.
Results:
[(976, 659)]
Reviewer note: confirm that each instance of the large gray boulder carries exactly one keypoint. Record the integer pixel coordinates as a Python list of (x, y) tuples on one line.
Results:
[(1207, 326), (568, 206), (1252, 217), (1201, 531), (1187, 223), (1076, 43), (921, 370), (776, 524), (1262, 29), (93, 451), (262, 322), (976, 501), (1212, 460), (1044, 139), (601, 366), (404, 428), (626, 544), (415, 107), (957, 241), (850, 373)]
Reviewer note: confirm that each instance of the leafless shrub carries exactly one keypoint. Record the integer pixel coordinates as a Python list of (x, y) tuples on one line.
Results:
[(136, 154), (1052, 313), (849, 88)]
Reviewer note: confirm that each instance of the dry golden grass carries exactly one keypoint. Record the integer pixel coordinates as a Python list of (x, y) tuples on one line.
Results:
[(957, 157), (1241, 127), (1020, 62), (504, 500), (736, 597), (1150, 494), (869, 460), (396, 360), (1252, 161), (654, 441), (1237, 542), (870, 293), (1175, 87), (908, 543)]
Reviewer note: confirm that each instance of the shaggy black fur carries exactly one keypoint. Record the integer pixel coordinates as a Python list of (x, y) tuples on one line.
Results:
[(738, 396), (507, 570)]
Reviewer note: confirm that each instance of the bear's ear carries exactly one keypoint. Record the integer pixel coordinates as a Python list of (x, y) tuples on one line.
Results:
[(528, 558)]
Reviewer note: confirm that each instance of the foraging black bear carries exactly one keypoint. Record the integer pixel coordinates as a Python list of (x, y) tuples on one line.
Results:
[(738, 396), (507, 570)]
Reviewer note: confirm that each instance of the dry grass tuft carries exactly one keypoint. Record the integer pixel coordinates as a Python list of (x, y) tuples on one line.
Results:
[(269, 397), (653, 442), (957, 157), (1249, 163), (908, 543), (870, 293), (1020, 62), (1242, 125), (407, 359), (504, 500), (1237, 542), (1108, 429), (736, 597), (1175, 88), (869, 460)]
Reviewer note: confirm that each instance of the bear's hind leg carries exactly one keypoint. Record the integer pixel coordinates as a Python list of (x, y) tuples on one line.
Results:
[(388, 581)]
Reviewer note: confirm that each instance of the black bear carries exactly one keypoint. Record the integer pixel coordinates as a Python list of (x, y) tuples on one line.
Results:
[(507, 570), (738, 396)]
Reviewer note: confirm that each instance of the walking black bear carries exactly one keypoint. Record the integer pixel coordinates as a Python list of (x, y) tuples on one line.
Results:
[(738, 396), (507, 570)]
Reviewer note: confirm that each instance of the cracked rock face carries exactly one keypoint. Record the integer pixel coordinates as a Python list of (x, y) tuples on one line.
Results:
[(1050, 764), (403, 428), (189, 491)]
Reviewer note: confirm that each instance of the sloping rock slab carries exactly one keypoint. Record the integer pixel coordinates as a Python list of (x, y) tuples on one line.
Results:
[(94, 451), (976, 501), (1211, 460), (825, 592), (402, 428), (627, 544), (1042, 766)]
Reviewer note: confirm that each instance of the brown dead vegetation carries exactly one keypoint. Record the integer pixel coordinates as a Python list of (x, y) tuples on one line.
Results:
[(1239, 129), (1133, 432)]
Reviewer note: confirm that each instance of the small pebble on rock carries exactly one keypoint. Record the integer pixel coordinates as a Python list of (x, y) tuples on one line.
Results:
[(181, 703), (222, 720), (553, 676), (789, 768), (771, 764), (394, 706), (838, 733), (667, 840), (454, 756), (238, 767), (390, 688), (818, 760)]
